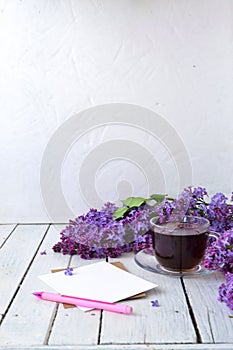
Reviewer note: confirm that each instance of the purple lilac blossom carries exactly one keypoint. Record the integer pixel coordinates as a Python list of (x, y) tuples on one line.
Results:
[(155, 303), (97, 235), (193, 196), (198, 205), (220, 213), (199, 192), (180, 206), (219, 254), (226, 291), (217, 210), (43, 252), (164, 210), (69, 271)]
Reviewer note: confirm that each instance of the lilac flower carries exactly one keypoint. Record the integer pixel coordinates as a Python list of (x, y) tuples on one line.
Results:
[(69, 271), (164, 210), (217, 210), (198, 205), (220, 213), (219, 254), (190, 201), (155, 303), (43, 252), (97, 234), (226, 291), (199, 192)]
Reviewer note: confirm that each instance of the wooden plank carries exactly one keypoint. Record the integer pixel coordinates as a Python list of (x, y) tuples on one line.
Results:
[(73, 326), (83, 326), (5, 231), (15, 258), (212, 317), (27, 322), (221, 346), (168, 323)]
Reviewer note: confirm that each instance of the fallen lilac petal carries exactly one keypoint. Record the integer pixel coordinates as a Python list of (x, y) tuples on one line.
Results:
[(155, 303), (43, 252)]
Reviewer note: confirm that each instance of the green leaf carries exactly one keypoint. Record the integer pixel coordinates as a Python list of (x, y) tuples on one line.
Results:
[(134, 201), (157, 197), (120, 212)]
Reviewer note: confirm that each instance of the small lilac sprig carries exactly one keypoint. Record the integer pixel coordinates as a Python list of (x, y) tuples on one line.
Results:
[(69, 271)]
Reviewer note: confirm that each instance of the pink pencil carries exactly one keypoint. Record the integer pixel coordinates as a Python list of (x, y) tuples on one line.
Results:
[(94, 304)]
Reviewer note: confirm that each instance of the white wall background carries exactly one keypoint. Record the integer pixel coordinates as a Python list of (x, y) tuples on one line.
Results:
[(60, 57)]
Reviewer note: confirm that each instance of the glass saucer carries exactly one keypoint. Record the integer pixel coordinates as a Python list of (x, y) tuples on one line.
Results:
[(146, 259)]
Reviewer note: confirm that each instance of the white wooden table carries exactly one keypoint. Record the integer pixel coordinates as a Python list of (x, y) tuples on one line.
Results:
[(189, 316)]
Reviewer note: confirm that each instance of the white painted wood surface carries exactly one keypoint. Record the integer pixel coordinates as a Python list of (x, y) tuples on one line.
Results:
[(16, 256), (29, 323), (151, 324), (28, 320), (212, 317), (5, 231)]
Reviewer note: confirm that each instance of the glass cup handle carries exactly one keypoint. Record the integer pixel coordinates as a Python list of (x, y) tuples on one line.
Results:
[(212, 235)]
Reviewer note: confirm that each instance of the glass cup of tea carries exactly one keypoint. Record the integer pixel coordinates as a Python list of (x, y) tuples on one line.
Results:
[(180, 246)]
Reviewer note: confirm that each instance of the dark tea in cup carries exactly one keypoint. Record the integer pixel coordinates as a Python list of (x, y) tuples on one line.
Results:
[(180, 246)]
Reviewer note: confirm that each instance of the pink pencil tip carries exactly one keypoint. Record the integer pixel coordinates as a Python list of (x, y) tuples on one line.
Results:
[(37, 294)]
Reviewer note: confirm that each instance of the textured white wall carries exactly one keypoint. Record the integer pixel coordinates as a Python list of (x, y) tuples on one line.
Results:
[(58, 58)]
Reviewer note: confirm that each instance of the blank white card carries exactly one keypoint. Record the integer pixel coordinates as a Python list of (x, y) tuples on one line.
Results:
[(100, 281)]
